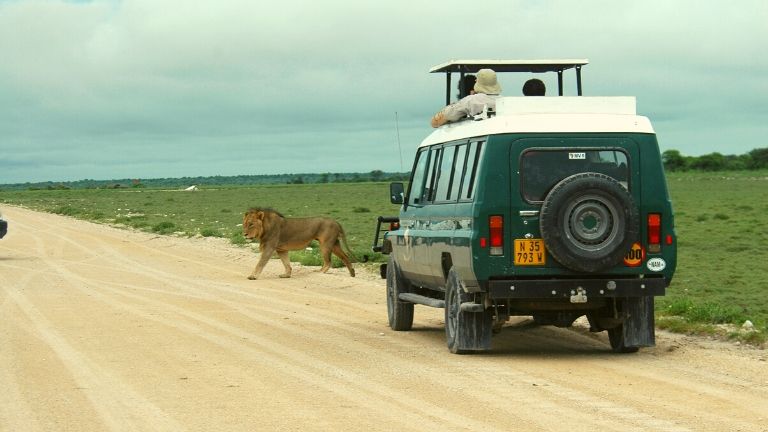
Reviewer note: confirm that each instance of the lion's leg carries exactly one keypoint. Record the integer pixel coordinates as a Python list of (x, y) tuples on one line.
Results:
[(343, 256), (263, 259), (286, 263), (325, 252)]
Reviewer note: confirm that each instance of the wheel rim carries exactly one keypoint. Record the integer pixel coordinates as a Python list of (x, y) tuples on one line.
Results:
[(592, 222)]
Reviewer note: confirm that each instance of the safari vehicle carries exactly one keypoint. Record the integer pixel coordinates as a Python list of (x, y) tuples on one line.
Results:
[(551, 207), (3, 226)]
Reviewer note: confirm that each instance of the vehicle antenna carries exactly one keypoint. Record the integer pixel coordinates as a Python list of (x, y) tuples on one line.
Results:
[(397, 128)]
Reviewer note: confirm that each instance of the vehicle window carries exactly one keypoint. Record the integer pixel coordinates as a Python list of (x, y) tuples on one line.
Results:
[(429, 185), (541, 169), (416, 191), (445, 174), (458, 170), (468, 180)]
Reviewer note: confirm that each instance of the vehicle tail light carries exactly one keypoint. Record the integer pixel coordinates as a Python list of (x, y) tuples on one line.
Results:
[(654, 232), (496, 225), (394, 226)]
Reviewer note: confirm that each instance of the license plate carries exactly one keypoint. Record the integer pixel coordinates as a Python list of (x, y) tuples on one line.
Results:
[(530, 252)]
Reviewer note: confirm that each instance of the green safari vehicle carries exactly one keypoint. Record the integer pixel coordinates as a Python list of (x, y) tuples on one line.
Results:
[(550, 207)]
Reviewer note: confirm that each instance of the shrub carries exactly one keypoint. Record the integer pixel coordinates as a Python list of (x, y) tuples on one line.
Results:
[(210, 232), (164, 227)]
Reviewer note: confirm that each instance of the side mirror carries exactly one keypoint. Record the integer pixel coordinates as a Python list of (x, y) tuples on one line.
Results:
[(396, 193)]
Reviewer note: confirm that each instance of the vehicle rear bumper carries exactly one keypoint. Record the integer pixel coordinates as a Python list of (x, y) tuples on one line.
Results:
[(565, 288)]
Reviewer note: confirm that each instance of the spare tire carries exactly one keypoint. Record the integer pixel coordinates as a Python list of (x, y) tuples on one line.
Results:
[(589, 221)]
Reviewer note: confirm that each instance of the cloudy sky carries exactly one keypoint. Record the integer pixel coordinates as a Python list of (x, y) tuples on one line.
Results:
[(172, 88)]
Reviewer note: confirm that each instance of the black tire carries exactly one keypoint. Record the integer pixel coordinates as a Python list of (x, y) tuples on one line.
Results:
[(616, 337), (589, 222), (399, 313), (637, 327), (464, 331)]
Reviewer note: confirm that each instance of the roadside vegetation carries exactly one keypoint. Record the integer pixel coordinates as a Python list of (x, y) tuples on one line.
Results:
[(721, 222)]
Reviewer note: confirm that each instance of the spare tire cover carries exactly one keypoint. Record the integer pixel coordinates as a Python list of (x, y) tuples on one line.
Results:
[(589, 221)]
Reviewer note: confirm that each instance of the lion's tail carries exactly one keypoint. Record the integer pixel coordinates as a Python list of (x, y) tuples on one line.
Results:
[(346, 248)]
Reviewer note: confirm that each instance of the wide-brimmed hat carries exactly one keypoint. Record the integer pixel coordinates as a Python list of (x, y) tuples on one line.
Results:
[(486, 82)]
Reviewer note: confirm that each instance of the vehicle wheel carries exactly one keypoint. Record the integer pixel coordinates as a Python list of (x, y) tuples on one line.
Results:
[(464, 331), (589, 221), (616, 337), (400, 313)]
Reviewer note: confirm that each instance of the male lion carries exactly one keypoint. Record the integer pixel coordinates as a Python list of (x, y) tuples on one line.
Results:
[(277, 233)]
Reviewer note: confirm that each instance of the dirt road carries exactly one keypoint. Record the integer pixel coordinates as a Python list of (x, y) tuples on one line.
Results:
[(104, 329)]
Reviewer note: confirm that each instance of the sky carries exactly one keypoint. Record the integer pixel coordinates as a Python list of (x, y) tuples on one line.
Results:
[(173, 88)]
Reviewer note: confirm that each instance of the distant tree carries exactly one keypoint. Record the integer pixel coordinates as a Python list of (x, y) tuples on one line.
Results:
[(673, 160), (710, 162), (758, 158), (376, 175)]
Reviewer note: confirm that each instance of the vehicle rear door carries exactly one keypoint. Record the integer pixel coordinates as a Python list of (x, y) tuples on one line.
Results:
[(540, 164)]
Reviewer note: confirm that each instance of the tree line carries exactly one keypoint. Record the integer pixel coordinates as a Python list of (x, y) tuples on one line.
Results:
[(239, 180), (755, 159)]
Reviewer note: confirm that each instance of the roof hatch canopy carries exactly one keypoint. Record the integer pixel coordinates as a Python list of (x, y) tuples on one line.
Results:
[(463, 67)]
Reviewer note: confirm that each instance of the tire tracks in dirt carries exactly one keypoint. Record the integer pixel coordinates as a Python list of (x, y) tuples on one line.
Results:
[(323, 338)]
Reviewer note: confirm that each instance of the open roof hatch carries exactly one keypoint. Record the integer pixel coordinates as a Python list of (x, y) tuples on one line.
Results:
[(532, 66)]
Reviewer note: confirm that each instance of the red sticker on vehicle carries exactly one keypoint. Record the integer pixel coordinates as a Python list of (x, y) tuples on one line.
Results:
[(634, 256)]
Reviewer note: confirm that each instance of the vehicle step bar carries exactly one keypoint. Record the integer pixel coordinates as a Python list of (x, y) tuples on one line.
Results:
[(422, 300), (435, 303)]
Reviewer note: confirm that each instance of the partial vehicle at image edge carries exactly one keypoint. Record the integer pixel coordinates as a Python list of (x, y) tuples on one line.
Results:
[(549, 207), (3, 226)]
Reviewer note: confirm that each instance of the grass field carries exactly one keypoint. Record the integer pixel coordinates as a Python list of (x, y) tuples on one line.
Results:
[(721, 223)]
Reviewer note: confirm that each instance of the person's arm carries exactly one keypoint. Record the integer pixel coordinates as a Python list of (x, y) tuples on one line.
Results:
[(438, 120), (451, 113)]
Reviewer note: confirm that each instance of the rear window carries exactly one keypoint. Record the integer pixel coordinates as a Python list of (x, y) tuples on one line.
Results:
[(541, 169)]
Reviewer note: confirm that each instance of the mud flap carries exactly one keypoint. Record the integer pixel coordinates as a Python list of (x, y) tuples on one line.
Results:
[(474, 333), (639, 324)]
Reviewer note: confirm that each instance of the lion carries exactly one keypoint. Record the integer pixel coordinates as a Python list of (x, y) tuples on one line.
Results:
[(276, 233)]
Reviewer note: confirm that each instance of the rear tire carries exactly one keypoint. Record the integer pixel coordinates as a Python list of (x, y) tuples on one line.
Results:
[(616, 337), (464, 331), (399, 313)]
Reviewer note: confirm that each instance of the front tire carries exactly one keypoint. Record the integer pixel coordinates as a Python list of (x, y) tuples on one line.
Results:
[(464, 331), (399, 313)]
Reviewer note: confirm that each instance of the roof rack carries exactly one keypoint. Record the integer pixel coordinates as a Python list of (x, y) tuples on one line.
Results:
[(532, 66)]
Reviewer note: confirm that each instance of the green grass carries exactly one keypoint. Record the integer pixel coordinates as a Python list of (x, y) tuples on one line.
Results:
[(218, 212), (721, 222)]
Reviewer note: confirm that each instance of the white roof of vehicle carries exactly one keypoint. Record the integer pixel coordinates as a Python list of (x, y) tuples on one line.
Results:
[(567, 114), (544, 65)]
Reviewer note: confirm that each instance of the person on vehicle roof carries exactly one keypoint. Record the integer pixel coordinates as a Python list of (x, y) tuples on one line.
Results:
[(466, 86), (486, 90), (534, 87)]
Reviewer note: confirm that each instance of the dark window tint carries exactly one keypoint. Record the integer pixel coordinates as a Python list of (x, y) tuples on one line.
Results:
[(458, 169), (470, 171), (445, 174), (541, 169)]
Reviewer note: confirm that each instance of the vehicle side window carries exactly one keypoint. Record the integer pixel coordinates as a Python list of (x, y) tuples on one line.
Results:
[(445, 174), (429, 185), (458, 170), (416, 191), (470, 172)]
